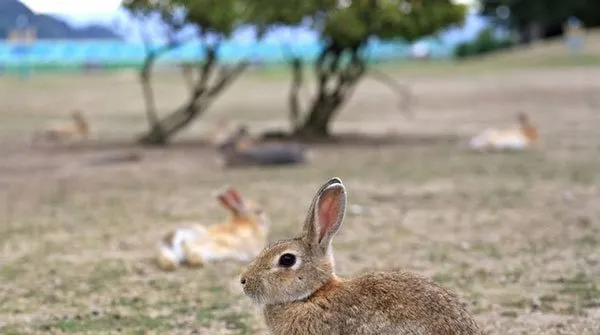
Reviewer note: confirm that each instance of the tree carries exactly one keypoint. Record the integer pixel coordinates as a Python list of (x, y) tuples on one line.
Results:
[(345, 29), (485, 42), (211, 76), (147, 17), (590, 13), (536, 19)]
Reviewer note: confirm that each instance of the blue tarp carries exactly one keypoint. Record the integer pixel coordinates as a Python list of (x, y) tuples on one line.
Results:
[(66, 52)]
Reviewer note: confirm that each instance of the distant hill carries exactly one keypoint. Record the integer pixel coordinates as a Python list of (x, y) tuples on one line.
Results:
[(48, 27)]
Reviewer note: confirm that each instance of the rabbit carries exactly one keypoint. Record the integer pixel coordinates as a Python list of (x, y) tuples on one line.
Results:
[(518, 138), (240, 238), (295, 282), (79, 126), (239, 150), (221, 130)]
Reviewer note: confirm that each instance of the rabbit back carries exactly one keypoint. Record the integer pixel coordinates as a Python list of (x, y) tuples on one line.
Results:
[(239, 239), (383, 303)]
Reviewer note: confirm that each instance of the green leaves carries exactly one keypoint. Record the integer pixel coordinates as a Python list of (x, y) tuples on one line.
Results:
[(390, 19), (413, 20), (139, 6), (344, 23), (549, 13), (219, 17), (270, 12), (345, 27)]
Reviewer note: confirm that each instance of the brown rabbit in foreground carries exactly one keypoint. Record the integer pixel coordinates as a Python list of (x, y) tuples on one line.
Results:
[(295, 281), (240, 238)]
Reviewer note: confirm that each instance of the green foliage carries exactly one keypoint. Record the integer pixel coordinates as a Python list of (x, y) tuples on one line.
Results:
[(590, 13), (343, 23), (547, 12), (166, 10), (484, 43), (410, 22), (223, 18), (391, 19), (351, 23), (268, 13), (219, 17)]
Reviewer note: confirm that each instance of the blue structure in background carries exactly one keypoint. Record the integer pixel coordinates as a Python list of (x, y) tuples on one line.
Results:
[(51, 53), (21, 51), (20, 38)]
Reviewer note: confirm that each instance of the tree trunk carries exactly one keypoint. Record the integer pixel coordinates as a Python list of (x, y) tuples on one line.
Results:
[(329, 100), (148, 92), (173, 123), (319, 118), (294, 99)]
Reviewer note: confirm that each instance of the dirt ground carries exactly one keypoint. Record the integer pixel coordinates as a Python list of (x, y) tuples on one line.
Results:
[(517, 235)]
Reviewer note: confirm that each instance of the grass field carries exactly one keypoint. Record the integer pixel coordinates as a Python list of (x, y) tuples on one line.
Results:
[(517, 235)]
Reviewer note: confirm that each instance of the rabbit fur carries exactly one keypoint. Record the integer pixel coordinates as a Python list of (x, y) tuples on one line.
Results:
[(240, 238)]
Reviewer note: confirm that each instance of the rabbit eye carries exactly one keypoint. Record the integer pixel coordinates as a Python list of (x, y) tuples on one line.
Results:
[(287, 260)]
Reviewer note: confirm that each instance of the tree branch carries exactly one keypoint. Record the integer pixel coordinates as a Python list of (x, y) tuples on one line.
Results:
[(146, 80), (297, 66), (188, 75), (350, 74), (321, 71), (402, 90), (294, 100), (226, 76), (205, 72)]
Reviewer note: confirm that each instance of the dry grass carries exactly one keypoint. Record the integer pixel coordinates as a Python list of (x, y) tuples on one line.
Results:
[(517, 235)]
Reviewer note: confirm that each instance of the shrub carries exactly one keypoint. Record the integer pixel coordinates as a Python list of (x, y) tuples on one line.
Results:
[(485, 42)]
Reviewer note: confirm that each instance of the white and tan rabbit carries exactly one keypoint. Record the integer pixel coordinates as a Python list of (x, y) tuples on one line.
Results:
[(295, 281), (519, 138), (239, 238)]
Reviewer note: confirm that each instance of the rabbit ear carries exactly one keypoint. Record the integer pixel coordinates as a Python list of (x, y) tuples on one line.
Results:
[(235, 195), (326, 214), (231, 199)]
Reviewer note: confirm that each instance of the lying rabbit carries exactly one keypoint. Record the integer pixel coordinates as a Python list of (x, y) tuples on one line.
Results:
[(78, 126), (240, 238), (523, 137), (295, 281), (239, 150)]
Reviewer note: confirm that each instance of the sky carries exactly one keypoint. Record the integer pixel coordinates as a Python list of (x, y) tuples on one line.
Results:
[(73, 7)]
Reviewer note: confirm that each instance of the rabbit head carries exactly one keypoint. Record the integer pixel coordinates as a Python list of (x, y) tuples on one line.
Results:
[(80, 121), (294, 269), (234, 139), (241, 209), (220, 130), (527, 128)]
